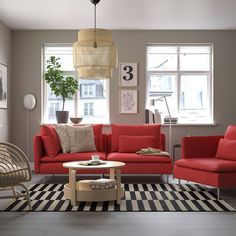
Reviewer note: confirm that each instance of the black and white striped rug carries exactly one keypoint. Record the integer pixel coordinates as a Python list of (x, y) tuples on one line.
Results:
[(138, 197)]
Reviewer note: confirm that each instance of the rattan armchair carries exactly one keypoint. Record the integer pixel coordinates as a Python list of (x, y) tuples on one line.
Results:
[(14, 170)]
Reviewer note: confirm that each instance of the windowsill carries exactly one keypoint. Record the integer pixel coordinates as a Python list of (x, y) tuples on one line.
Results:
[(204, 125)]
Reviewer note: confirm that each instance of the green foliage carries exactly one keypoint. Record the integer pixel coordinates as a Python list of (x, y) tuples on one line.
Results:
[(60, 85)]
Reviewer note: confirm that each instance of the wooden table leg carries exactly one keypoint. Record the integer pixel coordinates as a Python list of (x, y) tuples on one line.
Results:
[(72, 183), (118, 186), (112, 173)]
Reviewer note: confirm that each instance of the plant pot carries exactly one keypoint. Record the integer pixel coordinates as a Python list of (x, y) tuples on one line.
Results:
[(62, 117)]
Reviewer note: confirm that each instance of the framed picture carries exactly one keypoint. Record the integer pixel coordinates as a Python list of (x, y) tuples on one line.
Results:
[(3, 86), (128, 101), (128, 74)]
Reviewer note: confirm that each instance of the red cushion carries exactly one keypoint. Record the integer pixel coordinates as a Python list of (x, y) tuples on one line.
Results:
[(136, 158), (79, 156), (230, 132), (208, 164), (50, 140), (135, 143), (97, 130), (134, 130), (226, 150)]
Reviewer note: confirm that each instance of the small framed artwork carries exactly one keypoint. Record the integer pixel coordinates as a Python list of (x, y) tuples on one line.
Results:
[(3, 86), (128, 74), (128, 101)]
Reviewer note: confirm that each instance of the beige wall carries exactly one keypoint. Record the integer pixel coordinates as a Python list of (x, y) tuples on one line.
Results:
[(131, 45), (5, 58)]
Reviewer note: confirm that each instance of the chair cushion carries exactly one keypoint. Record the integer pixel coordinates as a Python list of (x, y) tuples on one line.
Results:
[(79, 156), (135, 143), (134, 130), (208, 164), (136, 158), (226, 149), (50, 140), (230, 132)]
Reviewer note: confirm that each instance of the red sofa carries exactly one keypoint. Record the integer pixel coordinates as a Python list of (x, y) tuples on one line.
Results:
[(209, 160), (120, 145)]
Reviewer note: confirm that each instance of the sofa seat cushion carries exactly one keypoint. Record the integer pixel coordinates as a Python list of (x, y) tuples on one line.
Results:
[(208, 164), (136, 158), (81, 156)]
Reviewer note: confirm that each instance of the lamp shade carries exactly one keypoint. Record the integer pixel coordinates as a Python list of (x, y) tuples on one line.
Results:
[(95, 61), (29, 101)]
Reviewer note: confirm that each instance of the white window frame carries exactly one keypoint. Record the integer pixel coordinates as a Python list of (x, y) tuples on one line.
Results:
[(44, 93), (178, 73)]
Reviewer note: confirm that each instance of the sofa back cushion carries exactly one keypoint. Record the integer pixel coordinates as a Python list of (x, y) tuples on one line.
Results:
[(50, 140), (226, 149), (135, 143), (134, 130), (98, 137), (230, 132)]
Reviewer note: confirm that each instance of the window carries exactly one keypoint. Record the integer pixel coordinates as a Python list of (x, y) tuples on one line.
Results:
[(182, 73), (87, 103), (88, 109)]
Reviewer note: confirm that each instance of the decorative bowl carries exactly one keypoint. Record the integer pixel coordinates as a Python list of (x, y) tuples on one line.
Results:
[(76, 120)]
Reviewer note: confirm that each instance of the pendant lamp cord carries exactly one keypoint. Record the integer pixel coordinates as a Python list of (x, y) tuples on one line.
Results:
[(95, 27)]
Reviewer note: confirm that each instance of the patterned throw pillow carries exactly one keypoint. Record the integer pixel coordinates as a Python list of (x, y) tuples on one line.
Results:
[(64, 137), (81, 138)]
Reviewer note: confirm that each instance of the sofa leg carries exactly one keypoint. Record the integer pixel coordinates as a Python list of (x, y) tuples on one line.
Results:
[(179, 182), (167, 179), (218, 193), (102, 176)]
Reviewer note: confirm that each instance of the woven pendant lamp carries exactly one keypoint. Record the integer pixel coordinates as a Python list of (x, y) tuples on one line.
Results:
[(95, 54)]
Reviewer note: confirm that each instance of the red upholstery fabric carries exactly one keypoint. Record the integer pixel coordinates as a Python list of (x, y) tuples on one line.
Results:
[(133, 157), (51, 146), (230, 132), (38, 153), (146, 168), (97, 131), (226, 150), (208, 164), (200, 146), (135, 143), (50, 140), (81, 156), (57, 168), (134, 130), (218, 180)]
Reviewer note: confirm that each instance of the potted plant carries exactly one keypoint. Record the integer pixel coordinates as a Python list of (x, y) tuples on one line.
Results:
[(60, 85)]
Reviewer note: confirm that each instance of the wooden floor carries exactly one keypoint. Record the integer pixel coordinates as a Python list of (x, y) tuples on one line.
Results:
[(119, 223)]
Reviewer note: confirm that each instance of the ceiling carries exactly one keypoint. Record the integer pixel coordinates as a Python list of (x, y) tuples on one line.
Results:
[(119, 14)]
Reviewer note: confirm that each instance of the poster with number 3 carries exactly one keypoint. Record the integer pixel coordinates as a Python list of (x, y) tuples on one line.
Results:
[(128, 74)]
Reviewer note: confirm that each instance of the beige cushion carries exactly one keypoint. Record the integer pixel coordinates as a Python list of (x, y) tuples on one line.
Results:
[(63, 137), (81, 138)]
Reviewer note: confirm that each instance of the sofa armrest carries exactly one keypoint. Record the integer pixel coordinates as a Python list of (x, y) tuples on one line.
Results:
[(38, 153), (200, 146)]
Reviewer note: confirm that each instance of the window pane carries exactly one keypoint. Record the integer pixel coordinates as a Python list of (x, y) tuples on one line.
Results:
[(163, 85), (195, 49), (65, 55), (194, 62), (161, 49), (194, 98), (93, 104), (162, 62)]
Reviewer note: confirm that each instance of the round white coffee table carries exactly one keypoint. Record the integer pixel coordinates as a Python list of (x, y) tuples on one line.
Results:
[(75, 193)]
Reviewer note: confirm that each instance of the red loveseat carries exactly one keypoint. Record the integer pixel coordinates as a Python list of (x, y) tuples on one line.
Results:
[(209, 160), (120, 145)]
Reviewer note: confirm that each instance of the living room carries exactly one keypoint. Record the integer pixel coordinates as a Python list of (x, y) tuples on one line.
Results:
[(24, 35)]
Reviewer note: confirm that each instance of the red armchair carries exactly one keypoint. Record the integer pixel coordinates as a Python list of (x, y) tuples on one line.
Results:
[(209, 160)]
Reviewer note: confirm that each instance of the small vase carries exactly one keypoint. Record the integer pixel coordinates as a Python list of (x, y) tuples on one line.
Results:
[(62, 117)]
